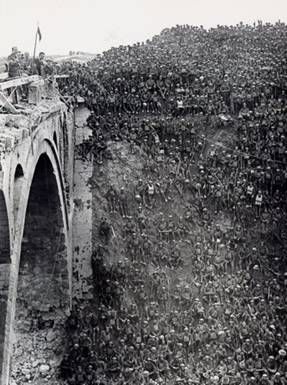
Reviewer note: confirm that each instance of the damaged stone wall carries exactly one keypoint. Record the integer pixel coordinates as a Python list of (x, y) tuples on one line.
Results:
[(42, 137), (82, 218)]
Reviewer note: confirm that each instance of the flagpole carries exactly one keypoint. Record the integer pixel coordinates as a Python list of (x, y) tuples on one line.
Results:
[(35, 45)]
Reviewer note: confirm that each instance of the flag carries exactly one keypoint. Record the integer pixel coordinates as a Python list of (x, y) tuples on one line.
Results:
[(39, 33)]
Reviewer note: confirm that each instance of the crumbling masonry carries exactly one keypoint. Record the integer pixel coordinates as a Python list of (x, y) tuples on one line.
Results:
[(36, 195)]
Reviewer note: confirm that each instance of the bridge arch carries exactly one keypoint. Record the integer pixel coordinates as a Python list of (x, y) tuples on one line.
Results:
[(43, 282), (41, 253)]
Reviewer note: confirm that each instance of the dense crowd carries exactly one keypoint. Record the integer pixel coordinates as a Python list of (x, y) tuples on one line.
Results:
[(197, 299)]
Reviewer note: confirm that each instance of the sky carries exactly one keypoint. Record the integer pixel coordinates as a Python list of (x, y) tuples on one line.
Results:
[(96, 25)]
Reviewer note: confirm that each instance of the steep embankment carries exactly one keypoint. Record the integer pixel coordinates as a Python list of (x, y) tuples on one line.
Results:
[(174, 272)]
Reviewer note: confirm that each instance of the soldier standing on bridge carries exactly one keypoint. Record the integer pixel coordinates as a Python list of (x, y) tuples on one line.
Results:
[(14, 68), (40, 64)]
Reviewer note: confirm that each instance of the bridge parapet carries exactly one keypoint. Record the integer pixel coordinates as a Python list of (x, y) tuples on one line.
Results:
[(17, 94)]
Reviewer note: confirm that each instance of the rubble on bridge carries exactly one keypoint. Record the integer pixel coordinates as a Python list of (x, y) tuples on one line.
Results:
[(19, 123)]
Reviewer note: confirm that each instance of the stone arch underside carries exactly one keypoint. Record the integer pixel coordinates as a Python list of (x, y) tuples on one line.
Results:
[(43, 279), (19, 181), (4, 270), (4, 232), (55, 139)]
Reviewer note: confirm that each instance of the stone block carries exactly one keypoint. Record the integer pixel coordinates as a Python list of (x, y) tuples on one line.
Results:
[(9, 143), (25, 133), (34, 94)]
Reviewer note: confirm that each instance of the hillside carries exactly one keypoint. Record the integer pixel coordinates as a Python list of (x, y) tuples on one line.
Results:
[(189, 229)]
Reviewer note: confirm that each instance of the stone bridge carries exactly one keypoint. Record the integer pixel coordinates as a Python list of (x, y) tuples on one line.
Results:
[(36, 195)]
